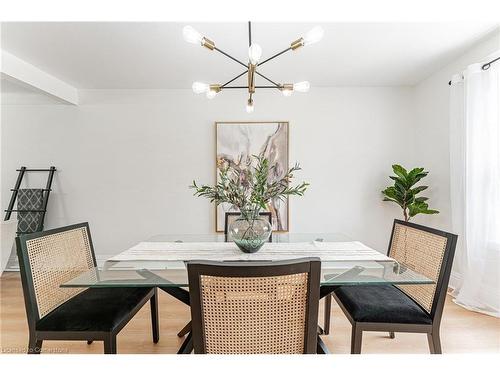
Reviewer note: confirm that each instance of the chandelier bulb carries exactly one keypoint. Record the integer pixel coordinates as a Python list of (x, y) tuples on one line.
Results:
[(250, 106), (211, 94), (254, 53), (313, 36), (200, 87), (191, 35), (303, 86)]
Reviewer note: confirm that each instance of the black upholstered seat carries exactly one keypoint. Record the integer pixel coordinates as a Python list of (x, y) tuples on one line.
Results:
[(418, 309), (97, 309), (57, 313), (381, 304)]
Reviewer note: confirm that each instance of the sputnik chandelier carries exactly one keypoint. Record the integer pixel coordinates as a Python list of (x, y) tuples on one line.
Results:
[(252, 68)]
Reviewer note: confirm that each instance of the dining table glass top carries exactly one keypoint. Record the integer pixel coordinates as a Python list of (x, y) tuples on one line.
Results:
[(135, 271)]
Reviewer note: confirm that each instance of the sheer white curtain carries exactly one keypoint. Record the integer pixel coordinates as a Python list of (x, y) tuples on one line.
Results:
[(475, 187)]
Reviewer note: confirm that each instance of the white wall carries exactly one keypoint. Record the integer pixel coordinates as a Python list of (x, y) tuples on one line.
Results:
[(432, 133), (125, 158)]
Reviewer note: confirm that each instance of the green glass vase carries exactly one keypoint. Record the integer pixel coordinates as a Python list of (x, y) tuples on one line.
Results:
[(250, 231)]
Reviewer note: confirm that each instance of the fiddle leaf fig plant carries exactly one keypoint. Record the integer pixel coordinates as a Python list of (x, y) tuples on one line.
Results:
[(404, 192)]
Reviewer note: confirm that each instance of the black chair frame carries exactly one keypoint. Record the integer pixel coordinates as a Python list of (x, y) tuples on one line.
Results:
[(312, 342), (432, 330), (36, 337)]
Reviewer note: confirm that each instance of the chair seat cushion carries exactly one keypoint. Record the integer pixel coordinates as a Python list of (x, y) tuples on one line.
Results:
[(381, 304), (94, 309)]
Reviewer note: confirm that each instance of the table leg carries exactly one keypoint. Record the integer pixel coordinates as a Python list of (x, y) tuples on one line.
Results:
[(183, 296), (178, 293)]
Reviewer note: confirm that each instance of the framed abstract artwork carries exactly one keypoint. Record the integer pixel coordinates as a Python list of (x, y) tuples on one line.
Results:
[(237, 142)]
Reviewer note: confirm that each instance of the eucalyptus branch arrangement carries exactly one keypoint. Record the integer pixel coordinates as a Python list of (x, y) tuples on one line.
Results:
[(404, 193), (252, 188)]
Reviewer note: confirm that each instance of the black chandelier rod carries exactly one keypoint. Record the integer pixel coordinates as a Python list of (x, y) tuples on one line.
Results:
[(276, 85), (268, 79), (276, 55), (249, 33), (245, 65), (246, 87), (234, 79), (231, 57), (485, 66)]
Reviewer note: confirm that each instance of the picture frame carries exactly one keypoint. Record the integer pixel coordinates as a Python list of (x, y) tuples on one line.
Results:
[(236, 142)]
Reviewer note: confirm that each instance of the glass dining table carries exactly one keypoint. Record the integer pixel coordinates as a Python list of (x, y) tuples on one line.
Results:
[(157, 262), (150, 272)]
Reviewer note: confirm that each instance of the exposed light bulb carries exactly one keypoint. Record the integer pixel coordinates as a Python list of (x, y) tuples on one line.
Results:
[(314, 35), (211, 94), (254, 53), (191, 35), (200, 87), (250, 107), (301, 86), (286, 92)]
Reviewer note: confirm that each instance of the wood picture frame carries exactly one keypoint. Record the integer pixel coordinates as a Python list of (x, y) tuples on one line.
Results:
[(242, 139)]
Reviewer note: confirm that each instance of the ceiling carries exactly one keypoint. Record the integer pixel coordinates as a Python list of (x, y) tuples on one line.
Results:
[(98, 55)]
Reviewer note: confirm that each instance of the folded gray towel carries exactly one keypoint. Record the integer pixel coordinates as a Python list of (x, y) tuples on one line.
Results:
[(29, 199)]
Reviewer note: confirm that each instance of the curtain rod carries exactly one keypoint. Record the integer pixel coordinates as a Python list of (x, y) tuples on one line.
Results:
[(485, 66)]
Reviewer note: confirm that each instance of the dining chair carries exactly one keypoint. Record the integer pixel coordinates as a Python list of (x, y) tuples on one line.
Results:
[(231, 216), (50, 258), (228, 218), (255, 307), (404, 308)]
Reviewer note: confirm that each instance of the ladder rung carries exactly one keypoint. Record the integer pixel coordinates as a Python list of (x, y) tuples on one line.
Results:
[(35, 170), (25, 210), (32, 189)]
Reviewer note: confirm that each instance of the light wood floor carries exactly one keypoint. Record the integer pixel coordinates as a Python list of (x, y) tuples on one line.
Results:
[(462, 331)]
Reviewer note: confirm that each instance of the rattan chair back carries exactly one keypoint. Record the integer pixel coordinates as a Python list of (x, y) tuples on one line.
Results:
[(50, 258), (255, 307), (428, 252)]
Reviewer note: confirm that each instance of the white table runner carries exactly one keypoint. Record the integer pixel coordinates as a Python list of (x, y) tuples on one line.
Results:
[(220, 251)]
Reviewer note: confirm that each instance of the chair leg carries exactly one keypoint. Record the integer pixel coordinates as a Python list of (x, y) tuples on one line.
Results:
[(356, 339), (187, 345), (327, 313), (434, 342), (34, 346), (321, 347), (89, 342), (184, 331), (110, 345), (392, 335), (154, 317)]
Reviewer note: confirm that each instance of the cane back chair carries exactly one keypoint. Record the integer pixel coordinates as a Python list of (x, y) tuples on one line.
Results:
[(404, 308), (229, 217), (255, 307), (50, 258)]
